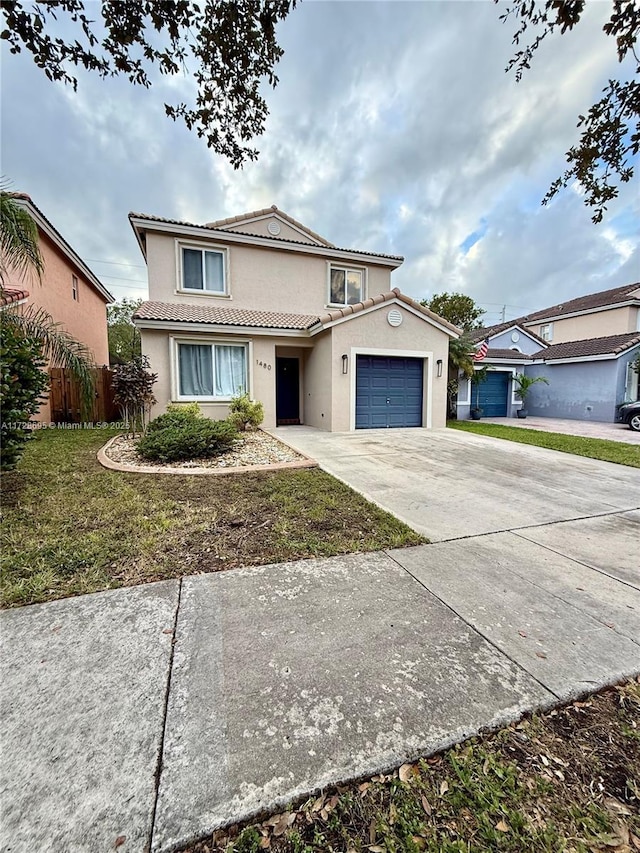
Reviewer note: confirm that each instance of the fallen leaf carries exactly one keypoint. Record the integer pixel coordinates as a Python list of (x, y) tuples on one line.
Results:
[(485, 767), (318, 804), (406, 772), (265, 842), (544, 760), (541, 655), (426, 805), (120, 840), (522, 633), (372, 831), (364, 787), (375, 848), (419, 842), (333, 802), (168, 631), (501, 826), (444, 787), (281, 826)]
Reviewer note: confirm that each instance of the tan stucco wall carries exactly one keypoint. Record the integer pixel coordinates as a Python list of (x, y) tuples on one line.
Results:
[(372, 331), (318, 382), (327, 395), (261, 228), (157, 346), (260, 279), (615, 321)]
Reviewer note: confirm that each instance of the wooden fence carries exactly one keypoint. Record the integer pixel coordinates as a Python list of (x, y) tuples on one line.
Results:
[(64, 396)]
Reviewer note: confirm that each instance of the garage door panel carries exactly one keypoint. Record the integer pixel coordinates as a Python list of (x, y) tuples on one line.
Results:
[(388, 392), (494, 394)]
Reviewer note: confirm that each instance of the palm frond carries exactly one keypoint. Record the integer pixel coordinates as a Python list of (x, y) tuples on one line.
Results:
[(59, 347), (19, 240)]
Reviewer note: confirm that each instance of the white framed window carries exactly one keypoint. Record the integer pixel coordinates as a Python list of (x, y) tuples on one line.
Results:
[(74, 287), (202, 269), (346, 285), (546, 332), (211, 371)]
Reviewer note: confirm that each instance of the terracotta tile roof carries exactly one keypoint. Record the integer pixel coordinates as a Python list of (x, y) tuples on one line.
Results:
[(232, 220), (172, 312), (215, 315), (489, 331), (511, 354), (610, 345), (593, 300), (150, 218), (338, 313), (9, 295)]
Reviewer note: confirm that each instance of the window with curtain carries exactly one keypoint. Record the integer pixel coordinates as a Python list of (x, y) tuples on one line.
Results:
[(203, 270), (346, 286), (212, 370)]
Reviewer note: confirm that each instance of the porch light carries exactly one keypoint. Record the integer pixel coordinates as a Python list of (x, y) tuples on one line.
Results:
[(345, 364), (439, 366)]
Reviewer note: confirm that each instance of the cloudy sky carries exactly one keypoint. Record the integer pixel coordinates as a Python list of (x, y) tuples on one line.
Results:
[(394, 128)]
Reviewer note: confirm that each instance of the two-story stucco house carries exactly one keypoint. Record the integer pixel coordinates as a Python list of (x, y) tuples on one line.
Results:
[(260, 303), (597, 315), (69, 292)]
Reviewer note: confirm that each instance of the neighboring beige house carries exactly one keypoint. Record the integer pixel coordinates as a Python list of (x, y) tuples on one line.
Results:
[(69, 291), (261, 303), (610, 312)]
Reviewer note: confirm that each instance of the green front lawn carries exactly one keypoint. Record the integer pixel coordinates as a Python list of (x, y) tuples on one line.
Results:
[(595, 448), (69, 526)]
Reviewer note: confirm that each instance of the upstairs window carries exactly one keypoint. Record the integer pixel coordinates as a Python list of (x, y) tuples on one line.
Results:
[(546, 332), (74, 287), (203, 270), (346, 286)]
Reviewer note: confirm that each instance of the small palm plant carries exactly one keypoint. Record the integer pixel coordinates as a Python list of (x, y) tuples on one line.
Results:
[(523, 385)]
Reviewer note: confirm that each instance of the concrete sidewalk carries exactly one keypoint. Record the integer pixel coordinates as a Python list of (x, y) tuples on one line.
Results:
[(285, 678)]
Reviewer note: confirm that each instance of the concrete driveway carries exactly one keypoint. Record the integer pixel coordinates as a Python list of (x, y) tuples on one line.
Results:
[(449, 484)]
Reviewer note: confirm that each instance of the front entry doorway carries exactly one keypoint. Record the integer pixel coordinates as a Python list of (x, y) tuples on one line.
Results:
[(287, 391)]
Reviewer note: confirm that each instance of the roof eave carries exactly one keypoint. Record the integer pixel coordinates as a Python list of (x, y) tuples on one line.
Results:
[(52, 233), (140, 222)]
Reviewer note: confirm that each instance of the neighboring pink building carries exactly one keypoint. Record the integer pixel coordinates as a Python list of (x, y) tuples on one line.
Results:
[(69, 291)]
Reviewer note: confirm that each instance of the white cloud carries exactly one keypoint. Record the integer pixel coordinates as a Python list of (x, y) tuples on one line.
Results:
[(393, 128)]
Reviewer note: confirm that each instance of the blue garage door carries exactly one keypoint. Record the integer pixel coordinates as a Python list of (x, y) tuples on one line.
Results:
[(493, 395), (388, 392)]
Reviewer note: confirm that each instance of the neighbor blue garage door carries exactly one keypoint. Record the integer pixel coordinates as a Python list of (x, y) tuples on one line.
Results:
[(388, 392), (494, 394)]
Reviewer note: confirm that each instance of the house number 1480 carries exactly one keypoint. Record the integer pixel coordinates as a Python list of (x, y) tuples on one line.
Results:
[(263, 364)]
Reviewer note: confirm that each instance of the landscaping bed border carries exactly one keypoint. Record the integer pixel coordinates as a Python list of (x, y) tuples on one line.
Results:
[(107, 462)]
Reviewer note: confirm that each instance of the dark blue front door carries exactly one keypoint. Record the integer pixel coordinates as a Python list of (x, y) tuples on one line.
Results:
[(388, 392), (494, 392)]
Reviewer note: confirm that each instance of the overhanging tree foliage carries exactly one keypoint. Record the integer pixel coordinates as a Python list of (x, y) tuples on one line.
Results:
[(610, 136), (124, 338), (457, 308), (231, 47)]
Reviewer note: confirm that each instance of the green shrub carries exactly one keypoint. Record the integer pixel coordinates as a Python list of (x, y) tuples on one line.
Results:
[(244, 414), (177, 415), (22, 388), (197, 438)]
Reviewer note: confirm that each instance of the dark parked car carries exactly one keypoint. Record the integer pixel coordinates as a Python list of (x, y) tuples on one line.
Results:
[(629, 413)]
